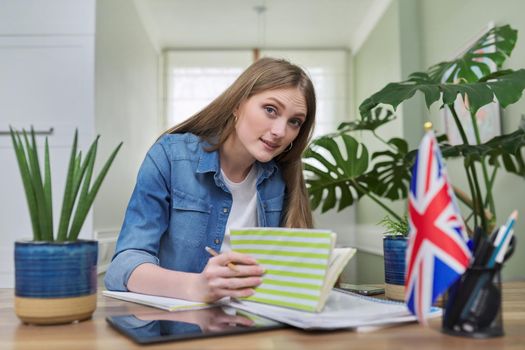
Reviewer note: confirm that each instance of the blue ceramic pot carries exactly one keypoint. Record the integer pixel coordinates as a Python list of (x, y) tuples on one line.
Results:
[(55, 282), (394, 248), (55, 269)]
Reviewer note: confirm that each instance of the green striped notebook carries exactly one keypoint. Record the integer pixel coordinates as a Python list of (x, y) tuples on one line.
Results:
[(301, 265)]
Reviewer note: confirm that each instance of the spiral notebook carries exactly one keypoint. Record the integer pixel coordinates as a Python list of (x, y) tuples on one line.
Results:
[(301, 265)]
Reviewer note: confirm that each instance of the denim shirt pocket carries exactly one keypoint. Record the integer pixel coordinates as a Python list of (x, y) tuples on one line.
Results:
[(189, 219), (273, 209)]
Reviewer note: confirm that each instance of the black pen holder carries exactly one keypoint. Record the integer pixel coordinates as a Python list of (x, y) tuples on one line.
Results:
[(473, 304)]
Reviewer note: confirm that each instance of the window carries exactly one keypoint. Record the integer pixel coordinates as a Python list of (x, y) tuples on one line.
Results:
[(196, 77), (328, 71)]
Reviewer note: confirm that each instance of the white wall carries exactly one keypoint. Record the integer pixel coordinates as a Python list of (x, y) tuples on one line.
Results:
[(47, 80), (126, 106), (376, 63)]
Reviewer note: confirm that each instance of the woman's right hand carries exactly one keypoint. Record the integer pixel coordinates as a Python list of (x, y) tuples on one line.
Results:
[(217, 280)]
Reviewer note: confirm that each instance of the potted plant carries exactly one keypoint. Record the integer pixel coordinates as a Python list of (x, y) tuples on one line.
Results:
[(395, 241), (56, 276), (334, 180)]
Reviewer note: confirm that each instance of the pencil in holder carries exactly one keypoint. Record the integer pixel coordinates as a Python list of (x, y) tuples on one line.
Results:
[(473, 304)]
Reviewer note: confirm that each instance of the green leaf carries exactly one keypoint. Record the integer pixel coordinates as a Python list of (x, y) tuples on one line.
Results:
[(475, 62), (472, 70), (391, 172), (84, 194), (394, 227), (47, 187), (79, 169), (26, 181), (77, 176), (374, 120), (501, 150), (340, 173), (84, 205), (393, 94), (89, 170), (67, 203), (46, 232), (507, 88)]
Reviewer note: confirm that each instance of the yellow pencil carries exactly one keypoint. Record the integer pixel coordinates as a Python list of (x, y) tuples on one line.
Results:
[(214, 253)]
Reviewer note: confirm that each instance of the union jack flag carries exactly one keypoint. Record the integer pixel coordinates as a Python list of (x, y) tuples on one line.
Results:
[(437, 253)]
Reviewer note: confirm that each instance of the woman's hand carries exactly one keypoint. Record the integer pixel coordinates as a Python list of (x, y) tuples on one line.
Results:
[(217, 280)]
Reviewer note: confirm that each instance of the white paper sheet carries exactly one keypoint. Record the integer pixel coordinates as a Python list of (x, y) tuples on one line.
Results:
[(342, 310)]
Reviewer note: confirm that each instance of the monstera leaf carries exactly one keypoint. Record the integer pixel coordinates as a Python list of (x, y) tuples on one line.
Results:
[(493, 47), (391, 172), (501, 150), (472, 71), (328, 170), (378, 117), (505, 86), (507, 148)]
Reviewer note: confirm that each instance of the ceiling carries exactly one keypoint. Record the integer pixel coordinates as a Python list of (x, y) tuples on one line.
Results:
[(282, 23)]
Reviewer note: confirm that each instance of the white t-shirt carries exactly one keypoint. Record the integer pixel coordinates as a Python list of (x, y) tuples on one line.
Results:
[(244, 207)]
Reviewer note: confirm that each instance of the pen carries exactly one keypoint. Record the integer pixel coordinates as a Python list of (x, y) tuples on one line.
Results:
[(214, 253), (504, 234)]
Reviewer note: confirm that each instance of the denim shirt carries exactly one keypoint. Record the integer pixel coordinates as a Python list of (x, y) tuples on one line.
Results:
[(180, 204)]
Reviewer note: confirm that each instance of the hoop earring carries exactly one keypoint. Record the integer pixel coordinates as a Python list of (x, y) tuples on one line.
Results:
[(289, 147)]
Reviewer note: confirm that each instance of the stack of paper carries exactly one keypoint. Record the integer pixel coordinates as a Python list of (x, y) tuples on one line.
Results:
[(342, 310)]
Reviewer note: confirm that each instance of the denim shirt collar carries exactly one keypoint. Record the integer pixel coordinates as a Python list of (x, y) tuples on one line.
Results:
[(209, 162)]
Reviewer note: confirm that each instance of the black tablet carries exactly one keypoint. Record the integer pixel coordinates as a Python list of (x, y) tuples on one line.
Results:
[(165, 326)]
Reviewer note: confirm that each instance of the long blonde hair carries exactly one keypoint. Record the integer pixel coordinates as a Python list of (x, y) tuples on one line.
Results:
[(216, 122)]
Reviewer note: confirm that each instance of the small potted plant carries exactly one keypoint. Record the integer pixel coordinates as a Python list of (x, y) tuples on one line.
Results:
[(394, 249), (56, 276), (340, 170)]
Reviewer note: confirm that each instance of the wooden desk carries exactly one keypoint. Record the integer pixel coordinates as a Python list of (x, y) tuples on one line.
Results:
[(97, 334)]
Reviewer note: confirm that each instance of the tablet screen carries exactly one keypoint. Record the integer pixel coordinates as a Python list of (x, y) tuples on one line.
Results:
[(169, 326)]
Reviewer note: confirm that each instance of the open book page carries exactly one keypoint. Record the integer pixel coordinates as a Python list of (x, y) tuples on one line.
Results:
[(342, 310), (164, 303), (296, 262), (338, 260)]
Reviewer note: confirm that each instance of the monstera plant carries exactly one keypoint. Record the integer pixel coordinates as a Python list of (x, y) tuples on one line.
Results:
[(340, 170)]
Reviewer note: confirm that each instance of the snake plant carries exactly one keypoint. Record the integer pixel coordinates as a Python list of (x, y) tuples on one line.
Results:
[(336, 180), (79, 192)]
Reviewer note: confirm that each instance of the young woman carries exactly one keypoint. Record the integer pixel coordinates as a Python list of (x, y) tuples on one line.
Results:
[(237, 163)]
